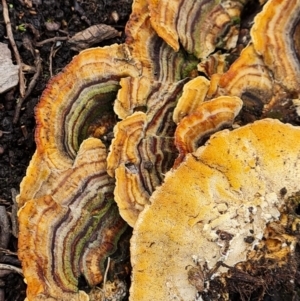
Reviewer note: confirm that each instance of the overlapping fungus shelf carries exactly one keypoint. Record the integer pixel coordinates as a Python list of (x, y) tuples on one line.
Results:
[(161, 94), (71, 230), (275, 36), (198, 26), (69, 222), (194, 93), (143, 148), (208, 118)]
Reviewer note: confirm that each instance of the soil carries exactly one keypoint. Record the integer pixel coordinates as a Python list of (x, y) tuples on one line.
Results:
[(34, 21)]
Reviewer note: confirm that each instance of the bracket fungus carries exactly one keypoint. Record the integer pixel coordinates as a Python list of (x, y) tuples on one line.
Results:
[(260, 76), (276, 38), (204, 213), (71, 186), (158, 61), (69, 103), (208, 118), (72, 230), (247, 77), (200, 27), (143, 148), (194, 93), (215, 204)]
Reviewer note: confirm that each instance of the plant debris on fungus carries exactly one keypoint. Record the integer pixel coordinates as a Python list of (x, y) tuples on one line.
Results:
[(213, 214)]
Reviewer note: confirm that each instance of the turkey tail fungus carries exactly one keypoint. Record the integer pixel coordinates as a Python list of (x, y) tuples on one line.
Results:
[(222, 220)]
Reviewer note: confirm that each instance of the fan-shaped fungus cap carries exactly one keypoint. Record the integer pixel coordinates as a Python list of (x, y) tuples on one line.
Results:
[(66, 110), (221, 194), (133, 95), (216, 63), (59, 239), (141, 94), (67, 183), (143, 148), (194, 93), (200, 27), (208, 118), (158, 61), (275, 35), (247, 77)]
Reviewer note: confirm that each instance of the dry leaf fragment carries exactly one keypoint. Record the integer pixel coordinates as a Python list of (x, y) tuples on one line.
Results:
[(91, 36)]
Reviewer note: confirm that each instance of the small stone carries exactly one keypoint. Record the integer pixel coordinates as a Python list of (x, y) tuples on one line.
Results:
[(52, 26)]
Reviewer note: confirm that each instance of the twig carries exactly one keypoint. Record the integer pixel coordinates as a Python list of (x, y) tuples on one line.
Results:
[(8, 252), (50, 60), (4, 228), (105, 275), (51, 56), (12, 268), (28, 69), (35, 32), (55, 39), (14, 47), (14, 212), (38, 65), (63, 32), (4, 202)]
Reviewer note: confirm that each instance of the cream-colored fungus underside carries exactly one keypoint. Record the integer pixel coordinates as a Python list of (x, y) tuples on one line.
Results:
[(233, 179)]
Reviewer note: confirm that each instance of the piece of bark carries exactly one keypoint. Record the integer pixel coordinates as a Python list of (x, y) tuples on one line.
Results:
[(9, 77)]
